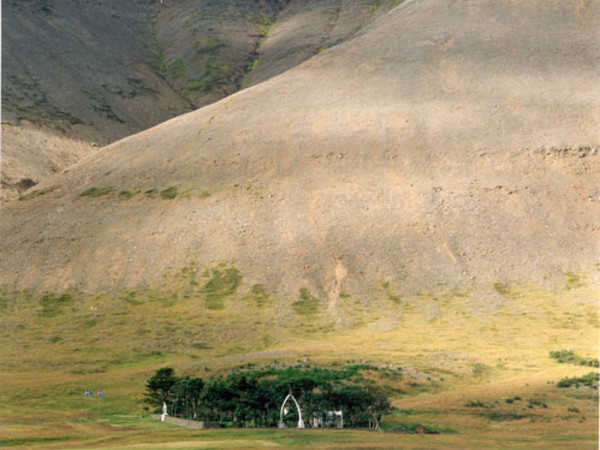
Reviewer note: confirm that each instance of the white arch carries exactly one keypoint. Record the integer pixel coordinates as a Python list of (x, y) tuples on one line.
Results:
[(300, 421)]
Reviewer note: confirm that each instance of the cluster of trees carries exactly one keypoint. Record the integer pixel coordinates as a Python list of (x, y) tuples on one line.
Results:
[(254, 397)]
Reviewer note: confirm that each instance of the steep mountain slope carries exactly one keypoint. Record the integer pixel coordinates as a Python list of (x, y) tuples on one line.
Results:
[(83, 70), (104, 70), (449, 145), (35, 154)]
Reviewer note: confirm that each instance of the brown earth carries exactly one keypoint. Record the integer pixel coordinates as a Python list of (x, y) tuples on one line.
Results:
[(449, 144)]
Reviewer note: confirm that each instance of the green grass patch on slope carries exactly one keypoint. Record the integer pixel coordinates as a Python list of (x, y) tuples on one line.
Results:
[(307, 305), (221, 285), (216, 75), (55, 304)]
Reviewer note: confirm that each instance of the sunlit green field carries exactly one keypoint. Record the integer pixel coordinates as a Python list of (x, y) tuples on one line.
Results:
[(475, 366)]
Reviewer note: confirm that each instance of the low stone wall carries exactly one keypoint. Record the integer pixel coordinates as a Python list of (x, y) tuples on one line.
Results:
[(194, 424)]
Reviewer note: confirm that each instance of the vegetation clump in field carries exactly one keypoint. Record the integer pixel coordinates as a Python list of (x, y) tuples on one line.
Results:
[(169, 193), (38, 193), (589, 380), (97, 192), (568, 357), (253, 397)]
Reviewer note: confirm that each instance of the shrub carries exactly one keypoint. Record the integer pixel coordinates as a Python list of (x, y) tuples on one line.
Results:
[(590, 380), (169, 193), (97, 192), (536, 402), (38, 193), (475, 404), (126, 195), (568, 357)]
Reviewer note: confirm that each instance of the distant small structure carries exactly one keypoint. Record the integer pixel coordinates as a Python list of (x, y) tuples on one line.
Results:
[(164, 412), (283, 411), (328, 419)]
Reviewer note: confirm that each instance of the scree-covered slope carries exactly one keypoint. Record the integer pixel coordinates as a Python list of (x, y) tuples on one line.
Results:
[(449, 143)]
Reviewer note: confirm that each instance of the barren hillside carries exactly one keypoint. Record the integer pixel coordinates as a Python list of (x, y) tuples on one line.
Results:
[(449, 144), (100, 71)]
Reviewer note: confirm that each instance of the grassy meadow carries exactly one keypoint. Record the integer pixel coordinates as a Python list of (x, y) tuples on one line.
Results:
[(474, 367)]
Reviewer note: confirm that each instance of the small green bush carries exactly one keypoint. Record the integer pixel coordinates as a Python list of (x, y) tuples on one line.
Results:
[(97, 192), (536, 402), (38, 193), (169, 193), (475, 404), (568, 357), (590, 380), (126, 195)]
